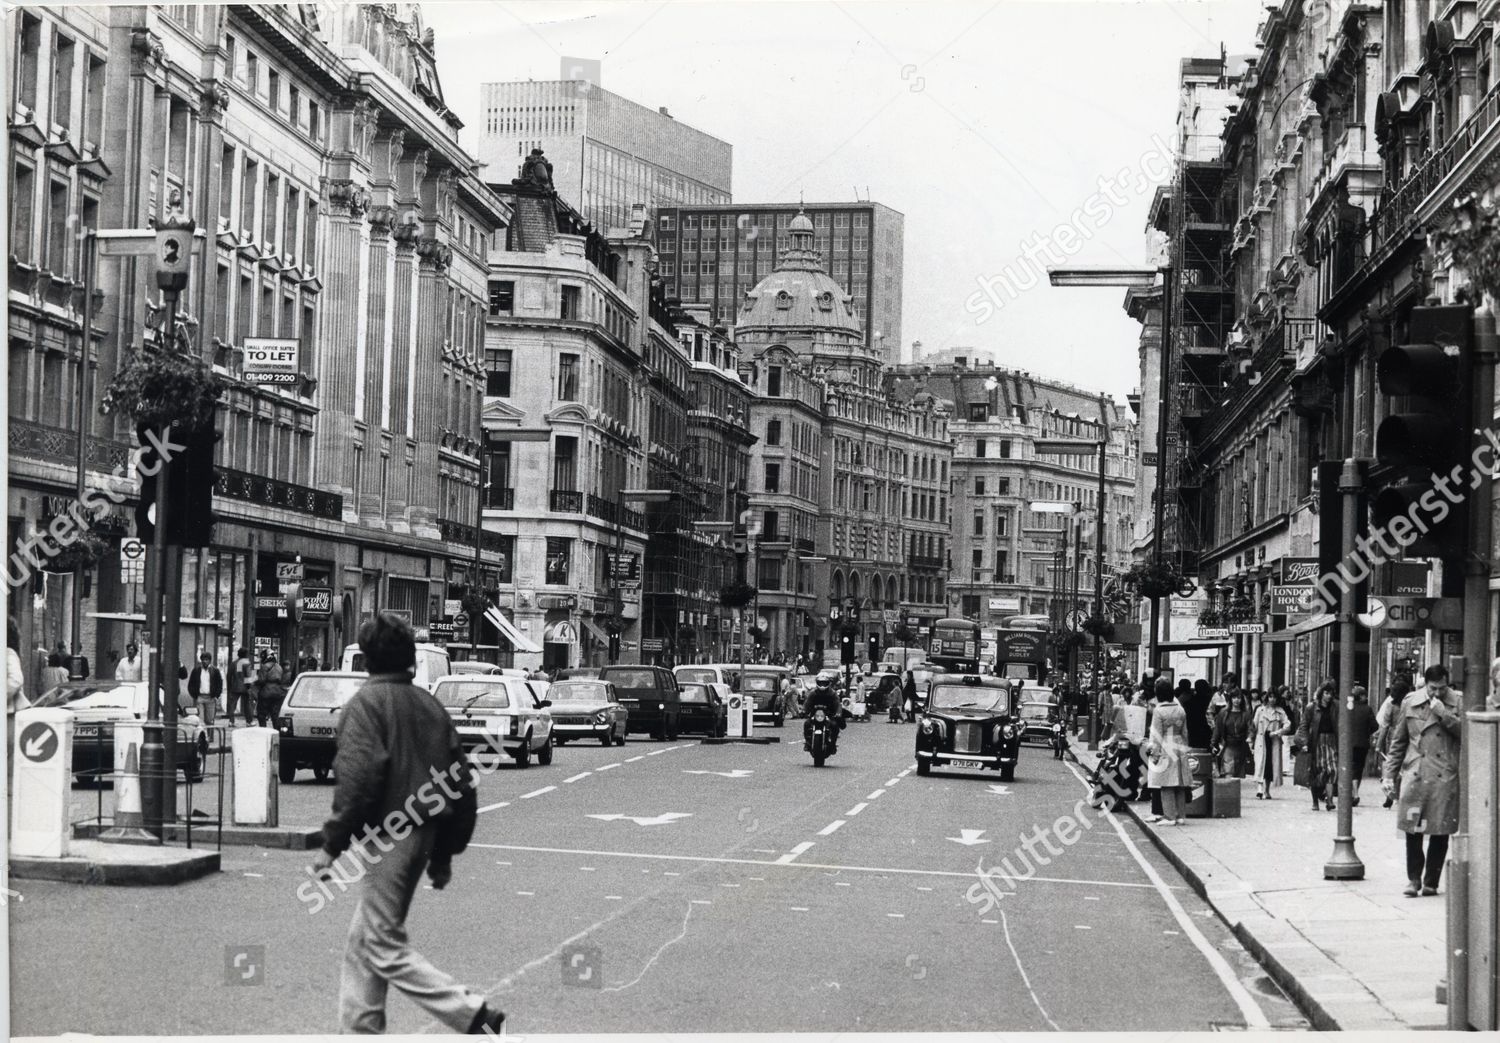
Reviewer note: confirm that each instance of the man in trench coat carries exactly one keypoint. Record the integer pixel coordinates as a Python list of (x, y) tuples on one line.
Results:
[(1424, 747)]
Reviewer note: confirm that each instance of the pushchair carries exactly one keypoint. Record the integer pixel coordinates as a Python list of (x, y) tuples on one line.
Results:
[(1117, 776)]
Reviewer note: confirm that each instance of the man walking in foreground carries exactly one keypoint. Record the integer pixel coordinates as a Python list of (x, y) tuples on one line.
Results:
[(395, 740)]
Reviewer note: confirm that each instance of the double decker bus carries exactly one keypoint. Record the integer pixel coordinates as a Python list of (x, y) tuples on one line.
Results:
[(955, 646)]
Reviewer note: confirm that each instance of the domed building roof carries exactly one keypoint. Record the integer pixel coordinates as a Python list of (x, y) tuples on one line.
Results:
[(799, 294)]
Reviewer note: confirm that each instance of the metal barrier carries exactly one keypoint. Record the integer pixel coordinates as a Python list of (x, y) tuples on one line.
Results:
[(104, 770)]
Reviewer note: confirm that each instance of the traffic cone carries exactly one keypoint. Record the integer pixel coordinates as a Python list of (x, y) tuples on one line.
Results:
[(129, 821)]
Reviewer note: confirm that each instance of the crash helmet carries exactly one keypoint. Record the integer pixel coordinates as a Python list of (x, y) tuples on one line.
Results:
[(825, 679)]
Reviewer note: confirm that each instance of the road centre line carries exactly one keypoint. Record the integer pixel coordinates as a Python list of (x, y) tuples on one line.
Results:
[(832, 828), (891, 782), (537, 792), (632, 760), (785, 861), (787, 858), (493, 807), (877, 793), (580, 775), (655, 753), (1255, 1018), (856, 810), (606, 767)]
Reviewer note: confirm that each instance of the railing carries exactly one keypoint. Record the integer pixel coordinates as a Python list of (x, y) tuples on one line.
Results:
[(806, 546), (1283, 339), (498, 499), (54, 443), (599, 507), (273, 492), (924, 561), (1394, 217), (463, 534), (565, 501), (632, 519)]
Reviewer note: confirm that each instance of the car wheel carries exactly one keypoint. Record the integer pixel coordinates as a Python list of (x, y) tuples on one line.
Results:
[(620, 739), (780, 719), (924, 766), (523, 755), (607, 739), (321, 774), (1007, 773), (544, 755), (286, 771)]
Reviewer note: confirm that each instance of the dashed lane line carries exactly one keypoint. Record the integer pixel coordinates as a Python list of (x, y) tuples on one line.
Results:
[(580, 775), (896, 916), (606, 767), (632, 760), (787, 858), (537, 792), (877, 793), (494, 807), (856, 810), (891, 782), (832, 828)]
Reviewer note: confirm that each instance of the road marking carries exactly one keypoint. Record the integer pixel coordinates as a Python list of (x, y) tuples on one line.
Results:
[(614, 898), (493, 807), (877, 793), (655, 753), (896, 916), (632, 760), (587, 869), (892, 782), (924, 889), (702, 901), (1003, 791), (1172, 932), (842, 883), (665, 819), (1091, 898), (1005, 926), (989, 921), (856, 810), (764, 850), (799, 908), (787, 858), (737, 773), (968, 837), (580, 775), (252, 874), (832, 828), (905, 772), (760, 878), (527, 894), (537, 792), (502, 863), (1255, 1018), (606, 767), (729, 885), (1082, 927)]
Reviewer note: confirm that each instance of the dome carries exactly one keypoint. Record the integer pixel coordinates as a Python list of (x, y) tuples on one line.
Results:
[(799, 294), (800, 223)]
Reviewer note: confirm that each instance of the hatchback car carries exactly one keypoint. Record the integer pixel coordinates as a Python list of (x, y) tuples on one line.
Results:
[(967, 723), (703, 710), (473, 666), (98, 706), (587, 708), (650, 693), (309, 720), (1035, 718), (432, 663), (498, 714)]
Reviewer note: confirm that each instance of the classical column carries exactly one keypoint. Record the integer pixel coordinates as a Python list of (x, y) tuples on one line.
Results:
[(429, 412), (376, 346), (341, 334), (403, 314)]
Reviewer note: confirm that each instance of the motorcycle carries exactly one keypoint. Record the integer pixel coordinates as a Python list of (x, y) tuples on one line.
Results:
[(823, 742)]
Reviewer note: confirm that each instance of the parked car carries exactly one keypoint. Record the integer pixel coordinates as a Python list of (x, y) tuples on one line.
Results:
[(98, 706), (967, 723), (309, 720), (587, 707), (703, 709), (432, 663), (709, 673), (473, 666), (498, 713), (767, 685), (650, 693), (576, 673)]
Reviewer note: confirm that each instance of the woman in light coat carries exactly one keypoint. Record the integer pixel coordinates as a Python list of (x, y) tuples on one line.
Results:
[(1424, 750), (1268, 727), (1168, 769)]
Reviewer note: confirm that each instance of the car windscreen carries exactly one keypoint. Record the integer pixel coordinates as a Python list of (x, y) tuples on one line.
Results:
[(759, 684), (476, 694), (632, 678), (93, 697), (694, 693), (578, 692), (323, 692), (698, 676), (968, 697), (1035, 711)]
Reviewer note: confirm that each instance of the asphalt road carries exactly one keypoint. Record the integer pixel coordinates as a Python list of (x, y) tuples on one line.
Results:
[(677, 887)]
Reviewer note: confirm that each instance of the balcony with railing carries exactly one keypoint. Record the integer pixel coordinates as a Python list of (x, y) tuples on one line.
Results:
[(606, 510), (499, 499), (565, 501), (924, 561)]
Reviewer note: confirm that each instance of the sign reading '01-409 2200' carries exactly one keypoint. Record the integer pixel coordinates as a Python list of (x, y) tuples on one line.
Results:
[(271, 360)]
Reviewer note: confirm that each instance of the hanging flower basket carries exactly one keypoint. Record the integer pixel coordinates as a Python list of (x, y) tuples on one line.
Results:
[(474, 605), (736, 595), (1209, 618), (1154, 580), (1475, 241), (158, 389), (1100, 627), (88, 550)]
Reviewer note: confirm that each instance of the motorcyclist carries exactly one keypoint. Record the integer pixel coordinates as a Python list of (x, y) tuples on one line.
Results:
[(824, 698)]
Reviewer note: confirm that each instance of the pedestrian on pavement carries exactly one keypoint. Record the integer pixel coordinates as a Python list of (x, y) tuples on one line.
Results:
[(205, 685), (1424, 755), (1232, 738), (55, 674), (1362, 728), (15, 694), (1493, 702), (1318, 748), (1270, 725), (1195, 699), (130, 668), (1168, 769), (269, 690), (395, 743), (909, 696), (240, 676)]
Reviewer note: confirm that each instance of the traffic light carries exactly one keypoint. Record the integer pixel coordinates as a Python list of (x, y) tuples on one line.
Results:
[(874, 644), (1423, 445), (149, 463), (190, 487), (1331, 529), (846, 648)]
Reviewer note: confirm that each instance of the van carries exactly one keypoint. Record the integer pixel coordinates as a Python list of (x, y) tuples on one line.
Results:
[(650, 694), (708, 673), (432, 663)]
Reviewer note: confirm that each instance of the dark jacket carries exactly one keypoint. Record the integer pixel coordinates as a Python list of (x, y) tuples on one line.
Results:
[(1200, 731), (215, 683), (909, 691), (392, 738), (1362, 725), (824, 699)]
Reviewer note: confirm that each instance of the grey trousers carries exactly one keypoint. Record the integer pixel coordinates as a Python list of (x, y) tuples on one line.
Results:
[(378, 955)]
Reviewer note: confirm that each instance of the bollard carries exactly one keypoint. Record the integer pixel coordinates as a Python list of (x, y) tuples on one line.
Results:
[(255, 786), (43, 758)]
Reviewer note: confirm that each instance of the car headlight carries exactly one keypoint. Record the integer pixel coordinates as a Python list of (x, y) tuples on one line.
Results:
[(601, 717), (1009, 731), (929, 726)]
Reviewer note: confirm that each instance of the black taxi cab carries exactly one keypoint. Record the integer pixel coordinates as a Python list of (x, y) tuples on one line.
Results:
[(968, 721)]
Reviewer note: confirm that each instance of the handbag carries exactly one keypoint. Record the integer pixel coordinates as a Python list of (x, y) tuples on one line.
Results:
[(1302, 768), (455, 824)]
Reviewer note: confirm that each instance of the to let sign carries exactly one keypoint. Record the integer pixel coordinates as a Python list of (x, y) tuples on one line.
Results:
[(271, 360)]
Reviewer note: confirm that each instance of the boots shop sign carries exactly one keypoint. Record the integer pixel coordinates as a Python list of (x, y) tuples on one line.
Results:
[(1298, 570)]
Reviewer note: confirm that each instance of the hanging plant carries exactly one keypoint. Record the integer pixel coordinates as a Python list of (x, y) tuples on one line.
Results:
[(1100, 627), (1475, 242), (736, 595), (1209, 618), (1154, 579), (88, 550), (158, 389), (474, 604)]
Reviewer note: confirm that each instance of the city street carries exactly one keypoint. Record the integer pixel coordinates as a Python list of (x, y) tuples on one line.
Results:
[(679, 887)]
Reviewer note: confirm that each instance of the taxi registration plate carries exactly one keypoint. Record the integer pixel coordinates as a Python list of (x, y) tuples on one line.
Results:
[(966, 764)]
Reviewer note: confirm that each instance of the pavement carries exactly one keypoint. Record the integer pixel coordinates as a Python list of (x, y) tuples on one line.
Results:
[(1354, 954), (681, 887)]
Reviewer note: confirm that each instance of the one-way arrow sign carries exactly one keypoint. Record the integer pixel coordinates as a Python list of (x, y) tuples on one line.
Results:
[(656, 820), (969, 838), (737, 773)]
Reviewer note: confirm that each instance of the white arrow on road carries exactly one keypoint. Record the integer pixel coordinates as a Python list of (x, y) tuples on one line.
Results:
[(970, 837), (657, 820), (1003, 791), (737, 773)]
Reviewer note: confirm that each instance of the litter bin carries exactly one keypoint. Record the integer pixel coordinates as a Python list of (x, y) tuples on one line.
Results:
[(1226, 800), (255, 755), (43, 759), (1201, 797)]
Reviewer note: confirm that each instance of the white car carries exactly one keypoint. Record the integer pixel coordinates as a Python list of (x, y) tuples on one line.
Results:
[(98, 706), (471, 667), (432, 663), (501, 713)]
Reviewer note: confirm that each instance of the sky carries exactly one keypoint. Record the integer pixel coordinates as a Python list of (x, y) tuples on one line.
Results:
[(987, 124)]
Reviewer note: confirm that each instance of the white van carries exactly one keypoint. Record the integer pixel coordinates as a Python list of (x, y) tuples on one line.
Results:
[(432, 663), (709, 673)]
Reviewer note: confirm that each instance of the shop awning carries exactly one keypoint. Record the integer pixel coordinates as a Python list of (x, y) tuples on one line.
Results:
[(140, 618), (593, 628), (519, 641), (1186, 646), (1307, 626)]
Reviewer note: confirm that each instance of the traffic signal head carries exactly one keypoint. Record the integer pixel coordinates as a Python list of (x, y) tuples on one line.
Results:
[(846, 648), (190, 478)]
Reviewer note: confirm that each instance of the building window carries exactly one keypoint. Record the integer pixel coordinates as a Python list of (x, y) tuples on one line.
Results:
[(507, 568), (773, 478), (252, 72), (773, 432), (1004, 487), (571, 301), (314, 122), (978, 523), (559, 559), (247, 197), (567, 378), (1002, 525), (62, 81), (502, 298), (771, 526), (58, 240), (773, 382), (979, 411), (979, 447), (565, 464), (1004, 449), (979, 485), (31, 46), (22, 202), (273, 90)]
